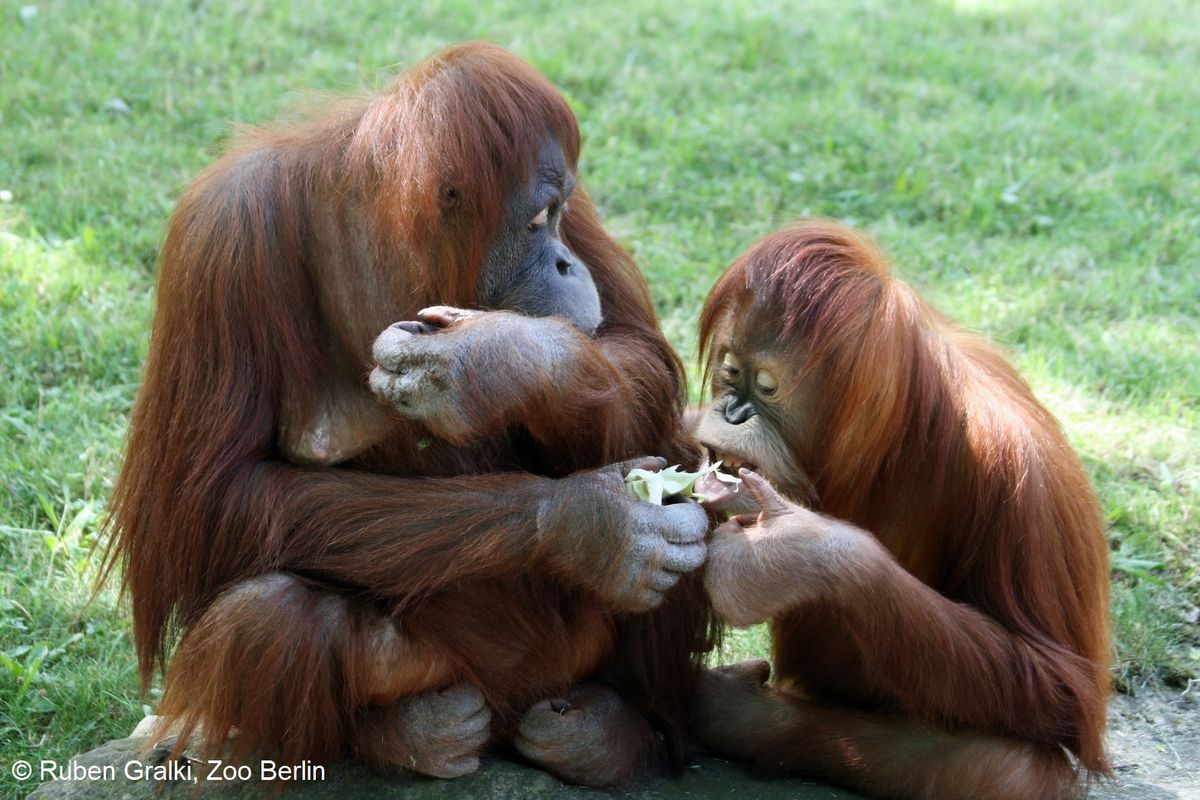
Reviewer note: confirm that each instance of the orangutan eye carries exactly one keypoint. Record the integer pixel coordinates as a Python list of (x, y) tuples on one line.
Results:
[(766, 383), (539, 222), (732, 365)]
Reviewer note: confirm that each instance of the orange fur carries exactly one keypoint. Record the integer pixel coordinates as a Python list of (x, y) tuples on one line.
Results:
[(993, 617), (281, 264)]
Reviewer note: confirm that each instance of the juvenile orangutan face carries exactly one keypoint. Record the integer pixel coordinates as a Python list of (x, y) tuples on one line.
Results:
[(760, 414)]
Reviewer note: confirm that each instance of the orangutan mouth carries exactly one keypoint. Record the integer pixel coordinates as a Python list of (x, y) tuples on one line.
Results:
[(730, 462)]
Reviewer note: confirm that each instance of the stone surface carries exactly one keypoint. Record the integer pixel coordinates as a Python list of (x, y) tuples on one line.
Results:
[(498, 780)]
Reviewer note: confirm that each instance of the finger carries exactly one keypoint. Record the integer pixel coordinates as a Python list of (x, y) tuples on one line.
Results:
[(475, 727), (770, 501), (458, 767), (550, 707), (663, 581), (474, 740), (746, 520), (399, 390), (684, 523), (382, 382), (397, 349), (528, 746), (390, 345), (481, 717), (542, 720), (684, 557), (560, 705), (411, 327), (545, 706), (645, 601), (444, 316), (538, 743), (462, 699), (652, 463)]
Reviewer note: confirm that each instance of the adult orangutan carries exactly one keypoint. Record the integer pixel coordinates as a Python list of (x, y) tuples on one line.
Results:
[(403, 581), (930, 554)]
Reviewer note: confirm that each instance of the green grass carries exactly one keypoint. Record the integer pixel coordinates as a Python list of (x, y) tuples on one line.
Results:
[(1032, 167)]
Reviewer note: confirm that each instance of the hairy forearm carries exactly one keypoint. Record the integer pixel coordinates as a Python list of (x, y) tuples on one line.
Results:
[(931, 656), (583, 384), (394, 537), (944, 660), (398, 539), (605, 398), (586, 400), (755, 575)]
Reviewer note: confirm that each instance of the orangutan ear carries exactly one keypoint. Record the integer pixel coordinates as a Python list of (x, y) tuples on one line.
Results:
[(449, 199)]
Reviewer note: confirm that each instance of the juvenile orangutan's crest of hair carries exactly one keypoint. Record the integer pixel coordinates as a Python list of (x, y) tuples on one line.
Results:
[(926, 437)]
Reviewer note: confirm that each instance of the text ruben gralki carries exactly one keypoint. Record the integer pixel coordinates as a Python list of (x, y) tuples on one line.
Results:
[(188, 770)]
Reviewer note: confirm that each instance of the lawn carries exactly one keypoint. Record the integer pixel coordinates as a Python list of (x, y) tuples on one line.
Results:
[(1034, 168)]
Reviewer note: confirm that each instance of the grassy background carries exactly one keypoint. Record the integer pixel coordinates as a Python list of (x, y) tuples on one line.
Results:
[(1033, 167)]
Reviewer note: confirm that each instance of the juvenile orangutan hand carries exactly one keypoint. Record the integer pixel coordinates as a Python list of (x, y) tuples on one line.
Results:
[(761, 565)]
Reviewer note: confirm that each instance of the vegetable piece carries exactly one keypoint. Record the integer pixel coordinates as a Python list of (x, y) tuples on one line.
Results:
[(653, 486)]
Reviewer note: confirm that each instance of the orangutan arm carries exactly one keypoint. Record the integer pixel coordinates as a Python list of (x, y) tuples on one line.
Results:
[(935, 658), (465, 374), (402, 537)]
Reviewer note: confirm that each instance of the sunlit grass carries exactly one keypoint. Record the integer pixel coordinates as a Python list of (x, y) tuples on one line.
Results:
[(1032, 167)]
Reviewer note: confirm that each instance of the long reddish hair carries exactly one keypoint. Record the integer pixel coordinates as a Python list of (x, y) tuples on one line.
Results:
[(240, 324), (929, 439)]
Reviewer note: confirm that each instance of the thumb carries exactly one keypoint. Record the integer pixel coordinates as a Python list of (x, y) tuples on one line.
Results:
[(445, 316), (771, 502)]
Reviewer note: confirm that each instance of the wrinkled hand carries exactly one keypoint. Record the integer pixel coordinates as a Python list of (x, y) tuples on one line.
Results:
[(761, 565), (590, 736), (627, 551), (465, 373), (445, 731)]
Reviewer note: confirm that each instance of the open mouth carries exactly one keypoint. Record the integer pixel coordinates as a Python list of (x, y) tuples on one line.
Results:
[(726, 496), (730, 462)]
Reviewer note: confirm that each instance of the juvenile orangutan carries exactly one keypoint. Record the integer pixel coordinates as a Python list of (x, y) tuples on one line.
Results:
[(914, 525)]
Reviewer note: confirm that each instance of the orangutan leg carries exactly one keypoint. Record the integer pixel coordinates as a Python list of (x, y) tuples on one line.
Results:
[(303, 673), (881, 755)]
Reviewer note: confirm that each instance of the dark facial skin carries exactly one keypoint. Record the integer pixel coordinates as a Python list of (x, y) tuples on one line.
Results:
[(530, 269), (760, 413)]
